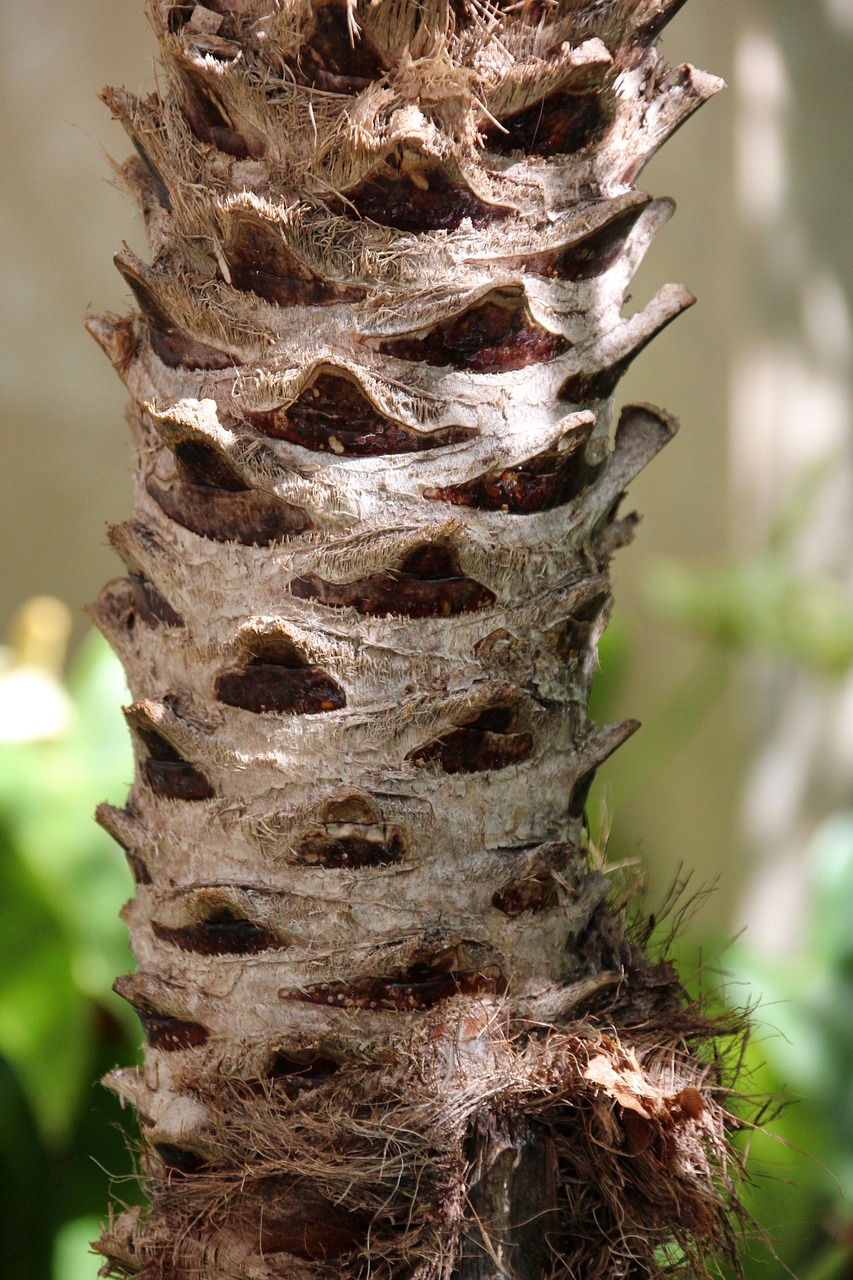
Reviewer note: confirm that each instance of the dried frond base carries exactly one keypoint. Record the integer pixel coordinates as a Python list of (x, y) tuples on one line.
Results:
[(390, 1163)]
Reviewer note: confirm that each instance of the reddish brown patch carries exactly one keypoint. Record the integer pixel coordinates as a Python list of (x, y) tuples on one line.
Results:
[(258, 262), (334, 415), (350, 833), (298, 1222), (223, 934), (179, 351), (147, 300), (264, 686), (169, 343), (180, 1159), (152, 607), (351, 851), (253, 517), (484, 743), (162, 1031), (277, 678), (411, 193), (334, 61), (201, 463), (688, 1104), (587, 258), (210, 122), (522, 896), (298, 1075), (428, 584), (177, 780), (494, 336), (126, 600), (168, 774), (639, 1131), (561, 124), (586, 388), (548, 480), (420, 987)]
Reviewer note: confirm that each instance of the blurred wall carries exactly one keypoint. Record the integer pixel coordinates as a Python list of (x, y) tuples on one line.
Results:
[(790, 421), (65, 465), (65, 447)]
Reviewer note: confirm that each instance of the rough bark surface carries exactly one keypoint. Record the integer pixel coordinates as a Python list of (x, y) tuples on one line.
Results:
[(393, 1026)]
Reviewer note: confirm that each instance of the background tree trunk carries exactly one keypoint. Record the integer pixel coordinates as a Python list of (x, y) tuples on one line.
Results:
[(393, 1025)]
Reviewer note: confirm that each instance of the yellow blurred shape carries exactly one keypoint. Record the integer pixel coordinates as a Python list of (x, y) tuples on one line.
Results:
[(33, 702)]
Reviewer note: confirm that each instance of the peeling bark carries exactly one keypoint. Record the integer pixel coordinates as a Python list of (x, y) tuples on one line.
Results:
[(393, 1027)]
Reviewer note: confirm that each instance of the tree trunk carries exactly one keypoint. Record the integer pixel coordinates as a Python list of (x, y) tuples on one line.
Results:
[(394, 1026)]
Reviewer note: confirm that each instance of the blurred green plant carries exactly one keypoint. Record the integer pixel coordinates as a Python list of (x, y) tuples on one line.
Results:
[(763, 602), (795, 1075), (62, 882), (800, 1166)]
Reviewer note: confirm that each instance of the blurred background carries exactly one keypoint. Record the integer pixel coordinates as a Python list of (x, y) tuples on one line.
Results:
[(732, 639)]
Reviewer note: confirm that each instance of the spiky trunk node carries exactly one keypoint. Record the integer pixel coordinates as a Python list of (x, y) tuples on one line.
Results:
[(393, 1027)]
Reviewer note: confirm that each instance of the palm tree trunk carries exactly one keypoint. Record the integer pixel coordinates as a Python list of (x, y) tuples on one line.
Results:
[(393, 1025)]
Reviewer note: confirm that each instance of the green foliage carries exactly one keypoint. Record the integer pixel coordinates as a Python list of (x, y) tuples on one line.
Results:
[(71, 1257), (62, 882), (801, 1159), (762, 604), (800, 1057), (798, 1066)]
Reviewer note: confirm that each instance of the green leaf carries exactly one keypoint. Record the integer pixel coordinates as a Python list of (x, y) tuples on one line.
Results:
[(62, 883), (831, 855), (72, 1255), (48, 798), (761, 603), (45, 1023)]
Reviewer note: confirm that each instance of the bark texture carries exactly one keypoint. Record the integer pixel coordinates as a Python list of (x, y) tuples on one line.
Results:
[(394, 1027)]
